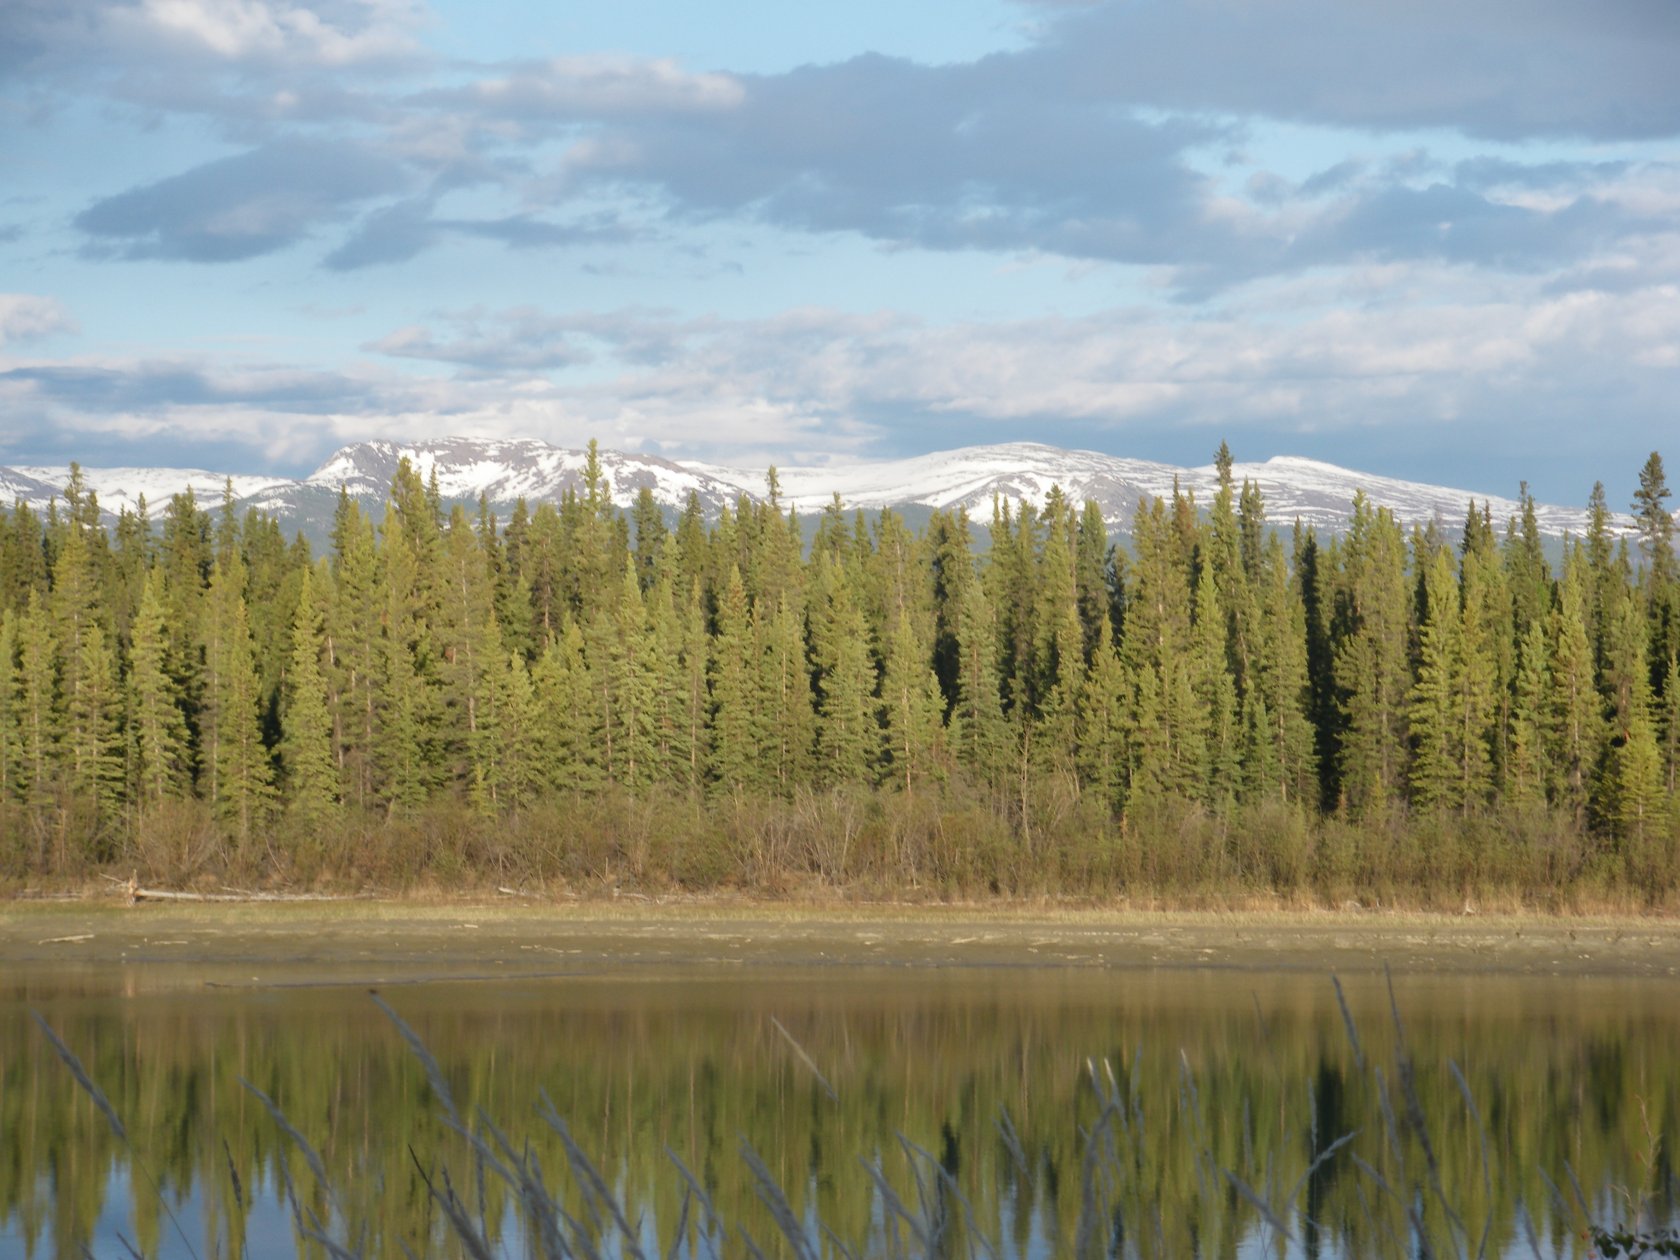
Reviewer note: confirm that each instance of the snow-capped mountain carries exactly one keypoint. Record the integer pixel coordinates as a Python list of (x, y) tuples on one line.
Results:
[(122, 489), (504, 471), (1317, 494)]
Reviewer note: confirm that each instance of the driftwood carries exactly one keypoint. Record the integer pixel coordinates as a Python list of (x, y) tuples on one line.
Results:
[(135, 893)]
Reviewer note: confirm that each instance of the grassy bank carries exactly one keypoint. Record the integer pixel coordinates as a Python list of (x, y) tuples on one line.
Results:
[(876, 845)]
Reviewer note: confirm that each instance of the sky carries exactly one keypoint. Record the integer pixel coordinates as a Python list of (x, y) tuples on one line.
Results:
[(1423, 238)]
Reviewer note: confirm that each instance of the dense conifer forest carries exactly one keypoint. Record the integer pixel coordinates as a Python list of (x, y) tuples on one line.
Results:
[(1227, 707)]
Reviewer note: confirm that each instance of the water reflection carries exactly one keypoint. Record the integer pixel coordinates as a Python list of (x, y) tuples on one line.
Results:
[(1045, 1112)]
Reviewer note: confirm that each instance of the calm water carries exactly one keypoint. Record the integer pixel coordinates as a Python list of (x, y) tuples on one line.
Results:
[(967, 1094)]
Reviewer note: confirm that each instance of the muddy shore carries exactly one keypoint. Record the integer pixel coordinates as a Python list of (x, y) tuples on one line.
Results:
[(394, 941)]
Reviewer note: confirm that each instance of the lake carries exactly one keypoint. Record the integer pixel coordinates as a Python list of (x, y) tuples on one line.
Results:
[(968, 1109)]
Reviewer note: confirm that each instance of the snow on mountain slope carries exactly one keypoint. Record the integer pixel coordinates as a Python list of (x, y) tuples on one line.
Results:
[(17, 486), (504, 471), (122, 488), (1316, 493)]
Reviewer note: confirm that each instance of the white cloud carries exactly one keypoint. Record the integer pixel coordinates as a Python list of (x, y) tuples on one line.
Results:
[(329, 35), (25, 316)]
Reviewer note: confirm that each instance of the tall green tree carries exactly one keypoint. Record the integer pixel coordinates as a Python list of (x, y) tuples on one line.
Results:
[(93, 744), (11, 749), (306, 747), (737, 718), (848, 732), (1369, 632), (913, 709), (156, 728)]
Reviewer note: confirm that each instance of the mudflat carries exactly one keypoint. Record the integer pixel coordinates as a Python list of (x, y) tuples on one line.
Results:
[(348, 942)]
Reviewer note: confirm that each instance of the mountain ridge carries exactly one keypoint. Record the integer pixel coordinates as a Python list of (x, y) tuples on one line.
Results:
[(504, 470)]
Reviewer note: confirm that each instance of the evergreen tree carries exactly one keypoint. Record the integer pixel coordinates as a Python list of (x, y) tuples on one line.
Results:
[(306, 746), (1220, 775), (912, 707), (156, 729), (1281, 686), (785, 688), (1576, 715), (1168, 733), (93, 746), (1372, 678), (622, 663), (11, 751), (38, 720), (978, 734), (848, 734), (1102, 723), (243, 770), (1433, 708), (736, 713), (356, 632), (1530, 722), (1640, 806), (567, 757)]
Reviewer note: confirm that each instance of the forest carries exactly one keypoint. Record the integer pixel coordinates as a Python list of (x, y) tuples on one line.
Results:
[(580, 697)]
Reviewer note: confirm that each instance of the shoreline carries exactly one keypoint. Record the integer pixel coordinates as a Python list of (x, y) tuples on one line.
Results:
[(400, 940)]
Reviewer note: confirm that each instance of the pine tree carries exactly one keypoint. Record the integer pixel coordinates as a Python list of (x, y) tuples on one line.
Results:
[(93, 747), (1530, 725), (1432, 708), (1576, 715), (1369, 632), (1102, 723), (622, 665), (912, 707), (848, 734), (469, 643), (736, 713), (1169, 719), (39, 724), (785, 687), (517, 776), (567, 757), (11, 750), (978, 734), (155, 725), (355, 629), (1220, 776), (243, 771), (408, 707), (306, 746), (1281, 686), (1640, 804)]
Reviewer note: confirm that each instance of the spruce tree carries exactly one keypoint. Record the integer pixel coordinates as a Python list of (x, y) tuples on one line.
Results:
[(1372, 678), (1530, 732), (1282, 685), (848, 734), (11, 752), (244, 772), (1433, 704), (156, 729), (1576, 712), (306, 745), (912, 708), (356, 632), (567, 756), (979, 736), (93, 745), (785, 690), (737, 733), (1102, 723), (39, 721)]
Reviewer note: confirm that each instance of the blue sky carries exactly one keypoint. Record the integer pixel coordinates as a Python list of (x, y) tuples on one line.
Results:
[(1428, 239)]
